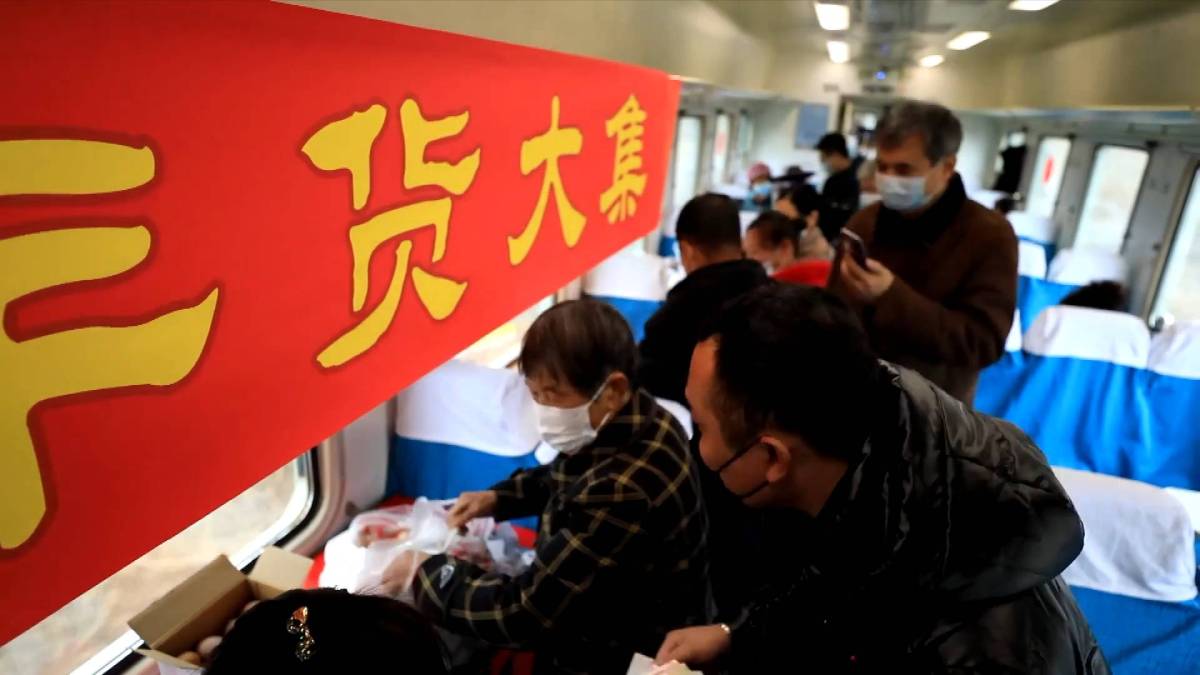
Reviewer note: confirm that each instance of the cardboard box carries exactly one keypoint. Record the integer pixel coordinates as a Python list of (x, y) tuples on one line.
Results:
[(205, 602)]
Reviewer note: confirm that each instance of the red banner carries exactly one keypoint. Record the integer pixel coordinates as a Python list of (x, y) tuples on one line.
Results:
[(227, 229)]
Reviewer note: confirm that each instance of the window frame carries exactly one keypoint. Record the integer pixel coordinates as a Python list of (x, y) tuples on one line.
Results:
[(719, 177), (1137, 199), (1171, 238), (1029, 182), (119, 655), (699, 155)]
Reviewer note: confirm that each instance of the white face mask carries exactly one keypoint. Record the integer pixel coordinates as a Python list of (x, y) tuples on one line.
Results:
[(568, 430), (902, 193)]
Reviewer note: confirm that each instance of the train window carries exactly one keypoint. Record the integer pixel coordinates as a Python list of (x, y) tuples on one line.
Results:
[(686, 172), (1112, 192), (1178, 297), (500, 347), (89, 634), (744, 132), (721, 148), (1048, 173)]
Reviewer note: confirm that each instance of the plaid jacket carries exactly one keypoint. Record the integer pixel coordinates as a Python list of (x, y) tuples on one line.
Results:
[(621, 552)]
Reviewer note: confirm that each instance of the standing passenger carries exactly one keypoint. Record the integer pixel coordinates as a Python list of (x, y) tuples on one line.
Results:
[(840, 193), (621, 552), (938, 292)]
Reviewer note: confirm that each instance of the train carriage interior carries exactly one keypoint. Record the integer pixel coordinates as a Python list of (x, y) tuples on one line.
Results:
[(1080, 122)]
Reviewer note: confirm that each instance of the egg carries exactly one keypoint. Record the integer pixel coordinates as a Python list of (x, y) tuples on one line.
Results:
[(229, 626), (208, 647), (249, 606), (190, 657)]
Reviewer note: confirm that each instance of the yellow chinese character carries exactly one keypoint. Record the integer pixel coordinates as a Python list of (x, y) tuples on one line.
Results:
[(629, 182), (159, 352), (346, 144), (547, 149)]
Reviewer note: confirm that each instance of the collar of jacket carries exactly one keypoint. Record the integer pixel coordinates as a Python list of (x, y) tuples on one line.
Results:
[(716, 274), (893, 228), (616, 435)]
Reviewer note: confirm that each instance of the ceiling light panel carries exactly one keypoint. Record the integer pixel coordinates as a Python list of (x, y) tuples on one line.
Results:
[(832, 16), (839, 52), (968, 39)]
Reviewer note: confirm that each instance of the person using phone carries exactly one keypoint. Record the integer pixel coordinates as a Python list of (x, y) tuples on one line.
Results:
[(938, 291)]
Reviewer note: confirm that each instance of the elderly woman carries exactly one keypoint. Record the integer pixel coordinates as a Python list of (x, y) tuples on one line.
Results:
[(621, 555)]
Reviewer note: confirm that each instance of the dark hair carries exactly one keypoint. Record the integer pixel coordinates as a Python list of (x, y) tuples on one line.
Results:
[(775, 228), (833, 144), (350, 633), (1006, 205), (580, 342), (795, 358), (939, 129), (709, 222), (804, 197), (1109, 295)]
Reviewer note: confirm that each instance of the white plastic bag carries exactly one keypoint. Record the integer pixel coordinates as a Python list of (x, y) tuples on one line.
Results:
[(378, 552)]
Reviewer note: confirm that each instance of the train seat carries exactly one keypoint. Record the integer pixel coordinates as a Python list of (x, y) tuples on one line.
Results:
[(1171, 387), (1081, 266), (1074, 393), (462, 427), (1031, 260), (635, 284)]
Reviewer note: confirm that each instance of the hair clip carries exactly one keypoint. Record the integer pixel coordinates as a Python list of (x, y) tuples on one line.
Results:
[(298, 625)]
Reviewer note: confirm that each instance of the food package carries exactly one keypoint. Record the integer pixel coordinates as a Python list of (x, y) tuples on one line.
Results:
[(378, 552)]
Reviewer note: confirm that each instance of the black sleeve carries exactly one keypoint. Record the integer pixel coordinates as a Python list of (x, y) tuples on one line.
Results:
[(665, 355)]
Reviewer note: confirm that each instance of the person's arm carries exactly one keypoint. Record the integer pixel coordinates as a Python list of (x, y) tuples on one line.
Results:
[(968, 329), (602, 533), (525, 493)]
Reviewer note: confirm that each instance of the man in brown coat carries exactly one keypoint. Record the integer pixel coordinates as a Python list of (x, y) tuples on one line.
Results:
[(939, 288)]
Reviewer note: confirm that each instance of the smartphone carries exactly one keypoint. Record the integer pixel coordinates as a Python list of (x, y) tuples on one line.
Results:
[(857, 247)]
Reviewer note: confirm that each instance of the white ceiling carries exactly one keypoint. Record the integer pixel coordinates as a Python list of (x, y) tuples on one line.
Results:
[(894, 33)]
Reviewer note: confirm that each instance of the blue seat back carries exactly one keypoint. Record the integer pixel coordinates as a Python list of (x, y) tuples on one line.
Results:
[(1171, 390), (1073, 391), (462, 427)]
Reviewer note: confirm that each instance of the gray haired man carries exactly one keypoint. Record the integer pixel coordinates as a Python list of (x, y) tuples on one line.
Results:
[(939, 287)]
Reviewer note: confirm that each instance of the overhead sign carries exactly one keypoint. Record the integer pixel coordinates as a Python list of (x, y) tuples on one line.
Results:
[(228, 229)]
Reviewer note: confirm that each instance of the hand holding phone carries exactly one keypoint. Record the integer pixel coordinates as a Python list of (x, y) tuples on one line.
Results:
[(855, 245)]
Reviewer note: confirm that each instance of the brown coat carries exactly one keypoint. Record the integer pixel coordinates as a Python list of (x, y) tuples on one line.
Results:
[(949, 311)]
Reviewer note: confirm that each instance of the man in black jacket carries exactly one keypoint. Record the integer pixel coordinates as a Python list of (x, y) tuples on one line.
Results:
[(932, 536), (840, 193), (710, 243)]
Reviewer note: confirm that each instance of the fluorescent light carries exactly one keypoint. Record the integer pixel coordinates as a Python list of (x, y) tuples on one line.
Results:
[(968, 39), (1030, 5), (932, 61), (832, 17), (839, 52)]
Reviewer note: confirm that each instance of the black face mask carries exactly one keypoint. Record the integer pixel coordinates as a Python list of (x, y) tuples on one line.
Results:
[(738, 455)]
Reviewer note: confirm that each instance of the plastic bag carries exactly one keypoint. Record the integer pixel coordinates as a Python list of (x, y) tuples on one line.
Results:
[(378, 552)]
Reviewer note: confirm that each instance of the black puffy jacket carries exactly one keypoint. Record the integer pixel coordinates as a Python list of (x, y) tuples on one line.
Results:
[(939, 552)]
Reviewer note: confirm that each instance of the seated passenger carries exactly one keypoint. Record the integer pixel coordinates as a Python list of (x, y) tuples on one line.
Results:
[(710, 243), (710, 247), (1106, 295), (621, 553), (759, 199), (928, 538), (789, 254), (329, 632)]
